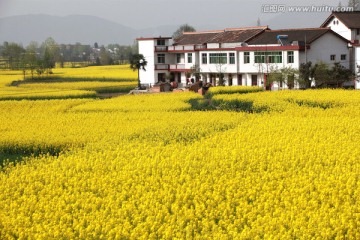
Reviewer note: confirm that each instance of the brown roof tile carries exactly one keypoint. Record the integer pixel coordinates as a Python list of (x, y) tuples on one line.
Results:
[(235, 36), (229, 35), (270, 36), (350, 19)]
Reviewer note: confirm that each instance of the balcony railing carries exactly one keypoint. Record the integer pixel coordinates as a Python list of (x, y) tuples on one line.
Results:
[(161, 66), (176, 67), (170, 67), (179, 48), (161, 48)]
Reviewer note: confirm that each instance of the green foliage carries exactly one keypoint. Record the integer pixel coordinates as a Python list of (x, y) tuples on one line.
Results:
[(138, 62), (287, 76), (183, 28), (305, 74)]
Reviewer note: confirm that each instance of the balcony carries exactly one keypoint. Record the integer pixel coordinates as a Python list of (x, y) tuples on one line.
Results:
[(171, 67), (161, 48), (186, 48), (161, 66), (176, 67)]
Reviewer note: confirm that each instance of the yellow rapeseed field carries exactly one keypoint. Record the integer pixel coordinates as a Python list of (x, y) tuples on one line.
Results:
[(275, 165), (68, 83)]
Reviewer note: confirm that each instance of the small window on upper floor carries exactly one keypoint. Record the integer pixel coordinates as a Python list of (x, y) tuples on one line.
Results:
[(290, 56), (232, 58), (343, 57), (246, 57), (189, 58), (160, 42), (161, 58), (178, 58), (333, 57)]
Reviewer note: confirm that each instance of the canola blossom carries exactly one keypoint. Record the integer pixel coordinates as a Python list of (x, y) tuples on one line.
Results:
[(264, 165)]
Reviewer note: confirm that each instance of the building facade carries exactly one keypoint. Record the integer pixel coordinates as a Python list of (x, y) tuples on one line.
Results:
[(241, 56), (347, 24)]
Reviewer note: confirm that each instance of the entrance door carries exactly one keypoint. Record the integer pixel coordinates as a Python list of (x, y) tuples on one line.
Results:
[(239, 80), (161, 77), (254, 80)]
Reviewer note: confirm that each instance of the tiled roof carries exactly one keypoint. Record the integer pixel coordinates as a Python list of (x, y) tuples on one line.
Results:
[(229, 35), (194, 38), (350, 19), (235, 36), (302, 34)]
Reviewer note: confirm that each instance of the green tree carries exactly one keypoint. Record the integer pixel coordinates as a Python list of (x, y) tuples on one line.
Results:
[(30, 61), (105, 58), (13, 52), (50, 53), (137, 63), (306, 73), (322, 74), (340, 75), (183, 28), (195, 70), (284, 76)]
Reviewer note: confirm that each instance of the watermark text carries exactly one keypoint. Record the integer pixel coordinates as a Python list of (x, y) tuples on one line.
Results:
[(282, 8)]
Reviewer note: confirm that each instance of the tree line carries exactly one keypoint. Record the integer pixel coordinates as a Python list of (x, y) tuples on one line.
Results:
[(309, 75), (39, 59)]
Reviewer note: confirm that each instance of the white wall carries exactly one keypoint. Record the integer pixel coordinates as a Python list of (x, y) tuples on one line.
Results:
[(146, 48), (215, 68), (340, 28), (357, 63), (327, 45), (253, 67)]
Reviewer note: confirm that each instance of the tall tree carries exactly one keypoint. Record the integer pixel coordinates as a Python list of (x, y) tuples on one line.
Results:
[(13, 52), (306, 72), (137, 63), (340, 75), (183, 28), (355, 4), (50, 52)]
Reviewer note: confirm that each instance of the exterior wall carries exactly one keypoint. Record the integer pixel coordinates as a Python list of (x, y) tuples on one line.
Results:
[(253, 67), (216, 68), (146, 48), (328, 45), (357, 67), (337, 26)]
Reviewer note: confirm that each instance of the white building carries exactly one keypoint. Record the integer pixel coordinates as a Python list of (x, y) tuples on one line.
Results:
[(244, 55), (347, 24)]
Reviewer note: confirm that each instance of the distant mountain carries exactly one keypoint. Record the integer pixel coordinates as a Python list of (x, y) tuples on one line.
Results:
[(90, 29), (71, 29)]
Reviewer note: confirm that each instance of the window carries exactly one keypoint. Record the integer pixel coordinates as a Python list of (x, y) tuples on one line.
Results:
[(268, 57), (218, 58), (161, 58), (332, 57), (343, 57), (274, 57), (160, 42), (232, 58), (189, 58), (358, 31), (178, 58), (246, 57), (204, 58), (290, 56)]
